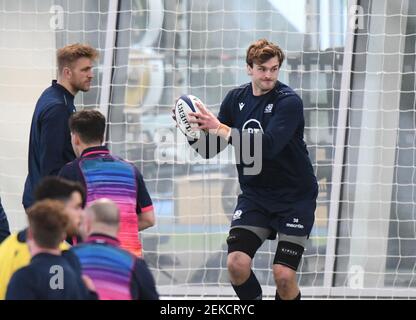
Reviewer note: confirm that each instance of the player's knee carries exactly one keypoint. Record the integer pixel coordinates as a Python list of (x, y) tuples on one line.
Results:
[(242, 246), (284, 277), (288, 254), (238, 264)]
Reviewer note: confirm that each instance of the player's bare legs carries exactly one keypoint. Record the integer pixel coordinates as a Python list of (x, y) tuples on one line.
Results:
[(239, 267), (285, 279)]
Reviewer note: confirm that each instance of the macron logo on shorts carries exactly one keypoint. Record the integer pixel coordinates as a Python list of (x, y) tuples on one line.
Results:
[(237, 215), (295, 224)]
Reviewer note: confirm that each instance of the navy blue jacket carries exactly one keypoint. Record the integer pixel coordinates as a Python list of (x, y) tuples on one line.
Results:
[(275, 120), (50, 139), (33, 282)]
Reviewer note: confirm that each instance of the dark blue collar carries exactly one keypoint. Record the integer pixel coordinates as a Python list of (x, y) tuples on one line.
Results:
[(45, 255), (55, 84)]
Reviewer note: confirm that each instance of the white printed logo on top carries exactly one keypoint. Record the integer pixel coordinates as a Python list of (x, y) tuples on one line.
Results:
[(269, 108), (252, 126), (237, 215)]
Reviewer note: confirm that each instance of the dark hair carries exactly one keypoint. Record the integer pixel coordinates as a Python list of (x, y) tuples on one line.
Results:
[(67, 55), (56, 188), (89, 125), (48, 222), (262, 50)]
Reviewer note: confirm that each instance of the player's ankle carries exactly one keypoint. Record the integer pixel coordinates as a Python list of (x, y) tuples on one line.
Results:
[(249, 290)]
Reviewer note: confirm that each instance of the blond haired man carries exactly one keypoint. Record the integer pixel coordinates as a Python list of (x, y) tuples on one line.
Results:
[(50, 140)]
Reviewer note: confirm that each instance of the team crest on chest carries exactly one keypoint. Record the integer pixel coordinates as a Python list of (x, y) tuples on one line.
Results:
[(237, 215), (269, 108)]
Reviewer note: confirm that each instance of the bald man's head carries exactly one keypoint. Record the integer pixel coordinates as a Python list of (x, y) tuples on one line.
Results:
[(103, 216)]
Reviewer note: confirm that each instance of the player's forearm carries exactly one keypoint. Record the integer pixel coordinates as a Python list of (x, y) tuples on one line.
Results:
[(146, 220), (143, 225)]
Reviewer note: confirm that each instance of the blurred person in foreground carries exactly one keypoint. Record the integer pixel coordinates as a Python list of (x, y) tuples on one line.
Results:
[(14, 251), (50, 274), (116, 273)]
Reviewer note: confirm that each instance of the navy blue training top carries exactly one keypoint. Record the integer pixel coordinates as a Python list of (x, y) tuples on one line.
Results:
[(39, 280), (275, 120), (50, 139)]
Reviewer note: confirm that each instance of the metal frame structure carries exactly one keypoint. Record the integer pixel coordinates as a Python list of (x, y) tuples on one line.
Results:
[(328, 290)]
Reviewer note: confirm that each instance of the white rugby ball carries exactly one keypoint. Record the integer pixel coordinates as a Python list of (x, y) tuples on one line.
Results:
[(184, 105)]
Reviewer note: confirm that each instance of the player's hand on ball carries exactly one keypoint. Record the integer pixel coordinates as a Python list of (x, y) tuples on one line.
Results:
[(205, 119)]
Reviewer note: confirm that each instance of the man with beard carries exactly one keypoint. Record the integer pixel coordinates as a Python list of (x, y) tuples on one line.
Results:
[(264, 115), (50, 140)]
